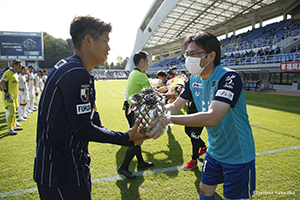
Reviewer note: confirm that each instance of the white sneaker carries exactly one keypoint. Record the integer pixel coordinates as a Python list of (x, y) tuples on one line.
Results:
[(26, 116), (17, 124), (11, 132), (21, 119)]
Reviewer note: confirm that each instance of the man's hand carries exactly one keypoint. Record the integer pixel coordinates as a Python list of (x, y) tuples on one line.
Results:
[(136, 135), (8, 97), (160, 126)]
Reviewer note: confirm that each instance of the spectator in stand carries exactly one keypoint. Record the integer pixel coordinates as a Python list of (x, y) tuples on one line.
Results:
[(277, 50), (293, 49)]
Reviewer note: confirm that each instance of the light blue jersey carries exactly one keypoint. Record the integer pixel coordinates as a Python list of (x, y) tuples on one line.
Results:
[(231, 141)]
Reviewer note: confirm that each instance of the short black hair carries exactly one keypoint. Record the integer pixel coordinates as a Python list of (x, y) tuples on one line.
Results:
[(87, 25), (16, 61), (161, 73), (208, 42), (182, 71), (30, 66), (138, 56)]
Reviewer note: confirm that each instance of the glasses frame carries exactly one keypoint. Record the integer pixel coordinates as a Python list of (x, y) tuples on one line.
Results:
[(193, 53)]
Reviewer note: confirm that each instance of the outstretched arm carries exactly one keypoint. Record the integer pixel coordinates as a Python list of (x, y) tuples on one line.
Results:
[(211, 118)]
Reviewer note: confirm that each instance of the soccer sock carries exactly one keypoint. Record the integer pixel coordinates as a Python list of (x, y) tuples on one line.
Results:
[(23, 111), (130, 152), (31, 104), (20, 111), (202, 197), (27, 107), (196, 146), (10, 118), (36, 100), (138, 153), (6, 114)]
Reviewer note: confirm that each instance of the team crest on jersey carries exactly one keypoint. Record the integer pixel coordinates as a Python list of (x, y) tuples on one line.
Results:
[(84, 92), (4, 77), (197, 85), (213, 83)]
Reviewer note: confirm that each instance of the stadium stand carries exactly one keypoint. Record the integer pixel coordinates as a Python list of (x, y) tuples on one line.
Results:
[(266, 56), (260, 46)]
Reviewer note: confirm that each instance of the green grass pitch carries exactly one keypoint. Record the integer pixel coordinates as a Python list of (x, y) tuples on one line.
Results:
[(275, 120)]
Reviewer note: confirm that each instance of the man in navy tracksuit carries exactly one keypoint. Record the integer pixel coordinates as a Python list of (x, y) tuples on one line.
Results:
[(68, 117)]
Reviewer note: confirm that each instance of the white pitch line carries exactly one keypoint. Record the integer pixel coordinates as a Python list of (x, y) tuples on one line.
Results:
[(140, 173), (111, 93), (121, 92)]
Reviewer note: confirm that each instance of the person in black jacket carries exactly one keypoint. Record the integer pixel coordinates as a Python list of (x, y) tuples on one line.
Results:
[(68, 119)]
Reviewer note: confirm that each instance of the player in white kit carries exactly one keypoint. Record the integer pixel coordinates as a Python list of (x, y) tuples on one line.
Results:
[(23, 96), (31, 90), (45, 76), (38, 83)]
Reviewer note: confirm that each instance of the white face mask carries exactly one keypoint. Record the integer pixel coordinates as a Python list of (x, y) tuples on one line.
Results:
[(193, 65)]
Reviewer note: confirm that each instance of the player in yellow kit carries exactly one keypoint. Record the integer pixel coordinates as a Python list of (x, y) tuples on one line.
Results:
[(10, 88)]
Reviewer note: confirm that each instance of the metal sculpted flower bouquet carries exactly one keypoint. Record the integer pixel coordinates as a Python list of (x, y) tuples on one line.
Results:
[(147, 105)]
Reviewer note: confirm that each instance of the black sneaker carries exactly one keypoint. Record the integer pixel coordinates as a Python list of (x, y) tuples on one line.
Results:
[(126, 173), (145, 165), (17, 128)]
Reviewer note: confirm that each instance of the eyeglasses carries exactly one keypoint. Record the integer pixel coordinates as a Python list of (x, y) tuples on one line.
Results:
[(192, 54)]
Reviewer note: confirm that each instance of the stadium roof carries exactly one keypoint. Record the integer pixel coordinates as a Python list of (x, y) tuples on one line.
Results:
[(169, 21)]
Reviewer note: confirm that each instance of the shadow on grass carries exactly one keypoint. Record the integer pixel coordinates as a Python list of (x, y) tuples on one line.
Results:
[(174, 155), (2, 121), (129, 188), (3, 126), (274, 101), (3, 135)]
